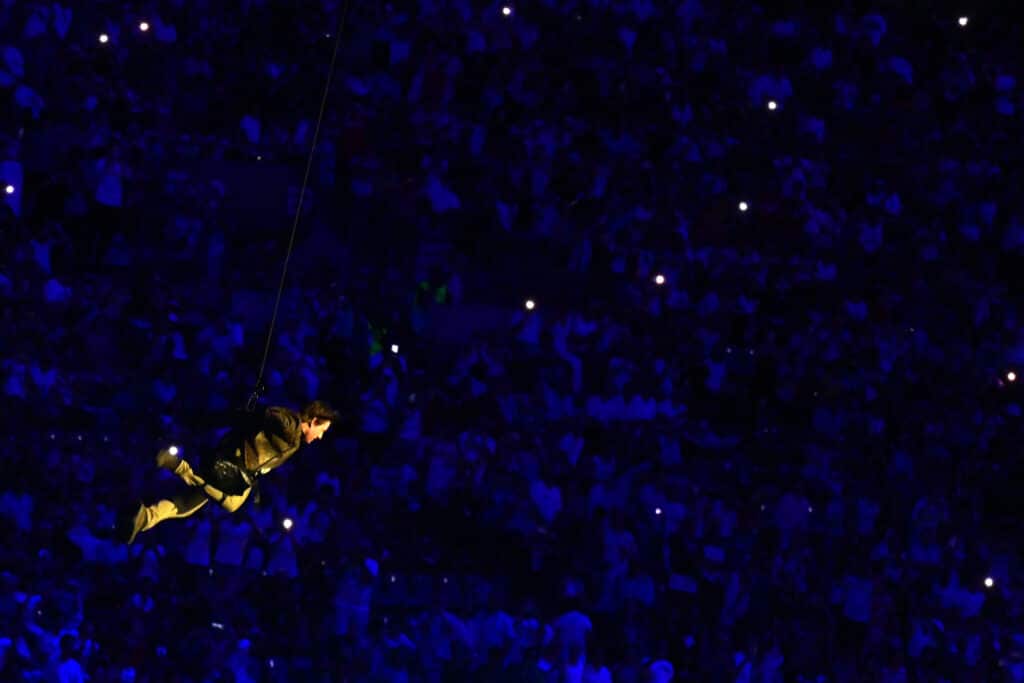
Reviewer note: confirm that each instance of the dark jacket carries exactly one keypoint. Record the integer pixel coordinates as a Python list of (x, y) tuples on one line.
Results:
[(256, 444), (263, 443)]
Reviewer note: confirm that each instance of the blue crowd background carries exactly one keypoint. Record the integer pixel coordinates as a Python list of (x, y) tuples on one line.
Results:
[(792, 456)]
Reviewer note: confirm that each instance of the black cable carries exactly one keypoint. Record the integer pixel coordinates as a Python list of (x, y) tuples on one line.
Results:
[(259, 388)]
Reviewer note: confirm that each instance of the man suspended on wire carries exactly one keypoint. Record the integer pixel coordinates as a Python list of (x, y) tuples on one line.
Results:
[(255, 446)]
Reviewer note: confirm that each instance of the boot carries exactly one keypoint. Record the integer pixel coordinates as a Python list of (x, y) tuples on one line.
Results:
[(130, 523), (166, 461)]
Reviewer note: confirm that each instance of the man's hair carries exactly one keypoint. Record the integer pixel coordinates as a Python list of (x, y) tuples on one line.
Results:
[(320, 410)]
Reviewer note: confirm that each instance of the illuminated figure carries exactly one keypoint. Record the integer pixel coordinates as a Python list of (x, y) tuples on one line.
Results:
[(254, 447)]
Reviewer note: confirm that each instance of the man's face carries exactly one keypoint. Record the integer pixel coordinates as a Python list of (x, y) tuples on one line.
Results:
[(314, 429)]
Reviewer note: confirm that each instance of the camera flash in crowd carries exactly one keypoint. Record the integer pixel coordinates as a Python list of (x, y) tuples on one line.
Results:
[(394, 348), (1011, 376), (9, 189), (104, 38), (506, 10), (530, 305), (143, 26), (657, 511), (173, 450), (989, 582), (286, 523), (744, 206), (772, 105), (659, 279), (962, 21)]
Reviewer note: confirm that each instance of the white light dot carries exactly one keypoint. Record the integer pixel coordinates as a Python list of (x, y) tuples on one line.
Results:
[(104, 38), (989, 582), (657, 511), (659, 279), (394, 348), (744, 206), (286, 523), (1011, 376), (810, 509), (506, 10), (393, 579), (79, 437), (962, 21), (445, 579), (144, 26), (530, 305), (173, 450), (772, 105), (9, 189), (52, 437)]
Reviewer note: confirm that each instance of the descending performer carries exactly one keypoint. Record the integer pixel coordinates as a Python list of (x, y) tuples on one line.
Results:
[(255, 446)]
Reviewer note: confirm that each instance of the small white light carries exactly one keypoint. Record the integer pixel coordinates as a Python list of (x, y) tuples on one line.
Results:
[(659, 279), (989, 582), (144, 26), (772, 105), (393, 579), (1011, 376), (52, 437), (394, 348), (104, 38), (445, 579), (762, 508), (79, 437), (327, 35), (173, 450), (530, 305), (287, 523), (657, 511), (810, 509), (506, 10), (259, 157), (9, 189), (744, 206), (962, 21)]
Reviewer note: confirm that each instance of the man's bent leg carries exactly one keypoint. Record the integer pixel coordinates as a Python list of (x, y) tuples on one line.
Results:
[(184, 470)]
